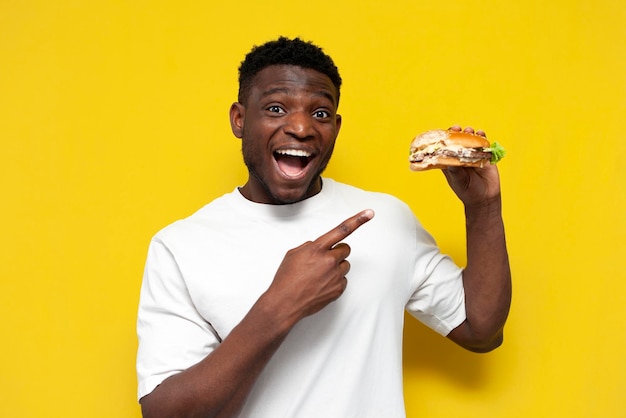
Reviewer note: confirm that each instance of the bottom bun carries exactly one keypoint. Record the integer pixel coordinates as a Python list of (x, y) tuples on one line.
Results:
[(444, 162)]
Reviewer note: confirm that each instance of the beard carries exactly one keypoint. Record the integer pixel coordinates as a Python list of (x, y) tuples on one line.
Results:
[(254, 165)]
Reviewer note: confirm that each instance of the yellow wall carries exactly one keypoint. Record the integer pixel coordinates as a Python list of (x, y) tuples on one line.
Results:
[(113, 123)]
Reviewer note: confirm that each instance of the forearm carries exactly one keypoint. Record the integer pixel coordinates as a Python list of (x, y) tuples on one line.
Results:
[(218, 385), (486, 278)]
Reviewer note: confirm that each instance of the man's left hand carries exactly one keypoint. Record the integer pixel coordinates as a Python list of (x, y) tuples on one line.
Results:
[(474, 186)]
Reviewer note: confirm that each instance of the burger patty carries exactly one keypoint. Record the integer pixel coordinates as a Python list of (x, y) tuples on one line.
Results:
[(463, 154)]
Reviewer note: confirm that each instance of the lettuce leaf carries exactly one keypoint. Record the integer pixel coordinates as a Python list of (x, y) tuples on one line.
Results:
[(497, 152)]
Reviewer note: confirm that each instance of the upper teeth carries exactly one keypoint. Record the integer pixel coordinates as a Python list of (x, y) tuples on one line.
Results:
[(294, 152)]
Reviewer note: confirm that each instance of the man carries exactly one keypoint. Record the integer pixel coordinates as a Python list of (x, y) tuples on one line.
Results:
[(276, 300)]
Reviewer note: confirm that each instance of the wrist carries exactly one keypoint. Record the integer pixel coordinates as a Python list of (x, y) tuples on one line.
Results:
[(278, 319), (487, 205), (484, 215)]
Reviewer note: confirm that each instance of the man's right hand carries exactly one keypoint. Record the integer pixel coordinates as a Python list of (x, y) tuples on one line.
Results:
[(314, 274)]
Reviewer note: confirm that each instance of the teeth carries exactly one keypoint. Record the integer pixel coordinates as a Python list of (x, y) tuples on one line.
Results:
[(294, 152)]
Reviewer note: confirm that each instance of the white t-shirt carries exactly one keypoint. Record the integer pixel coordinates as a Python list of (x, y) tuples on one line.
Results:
[(205, 272)]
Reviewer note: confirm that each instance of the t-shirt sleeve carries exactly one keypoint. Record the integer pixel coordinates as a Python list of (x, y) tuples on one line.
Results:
[(172, 334), (438, 300)]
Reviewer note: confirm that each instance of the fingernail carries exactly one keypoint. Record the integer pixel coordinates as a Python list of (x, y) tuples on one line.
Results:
[(369, 214)]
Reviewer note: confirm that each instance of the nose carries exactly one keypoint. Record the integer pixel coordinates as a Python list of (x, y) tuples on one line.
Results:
[(299, 125)]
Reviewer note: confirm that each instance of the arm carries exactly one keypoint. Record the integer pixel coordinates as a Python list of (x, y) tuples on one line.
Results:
[(309, 278), (487, 276)]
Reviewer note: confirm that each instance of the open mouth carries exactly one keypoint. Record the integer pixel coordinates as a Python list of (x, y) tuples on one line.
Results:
[(292, 162)]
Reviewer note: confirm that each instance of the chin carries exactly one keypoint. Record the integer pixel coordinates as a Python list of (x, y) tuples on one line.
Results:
[(290, 196), (287, 195)]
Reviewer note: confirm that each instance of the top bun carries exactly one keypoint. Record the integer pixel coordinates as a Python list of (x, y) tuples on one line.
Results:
[(467, 140)]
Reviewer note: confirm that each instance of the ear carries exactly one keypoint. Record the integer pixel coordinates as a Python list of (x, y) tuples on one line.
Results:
[(338, 122), (237, 117)]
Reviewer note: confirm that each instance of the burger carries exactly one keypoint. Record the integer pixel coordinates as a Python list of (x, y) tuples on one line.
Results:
[(447, 148)]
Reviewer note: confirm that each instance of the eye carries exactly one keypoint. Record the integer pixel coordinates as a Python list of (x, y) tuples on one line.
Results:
[(275, 109), (321, 114)]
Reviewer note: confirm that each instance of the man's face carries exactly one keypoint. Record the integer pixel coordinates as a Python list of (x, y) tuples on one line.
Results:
[(288, 129)]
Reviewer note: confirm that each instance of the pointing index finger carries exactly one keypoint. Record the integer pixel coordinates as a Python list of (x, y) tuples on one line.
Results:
[(344, 229)]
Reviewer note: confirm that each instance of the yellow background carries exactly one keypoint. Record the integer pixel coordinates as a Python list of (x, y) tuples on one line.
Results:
[(113, 123)]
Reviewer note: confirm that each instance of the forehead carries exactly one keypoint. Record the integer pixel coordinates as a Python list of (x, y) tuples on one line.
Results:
[(292, 79)]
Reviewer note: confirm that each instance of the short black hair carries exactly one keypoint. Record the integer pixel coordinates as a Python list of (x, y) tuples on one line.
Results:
[(284, 51)]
